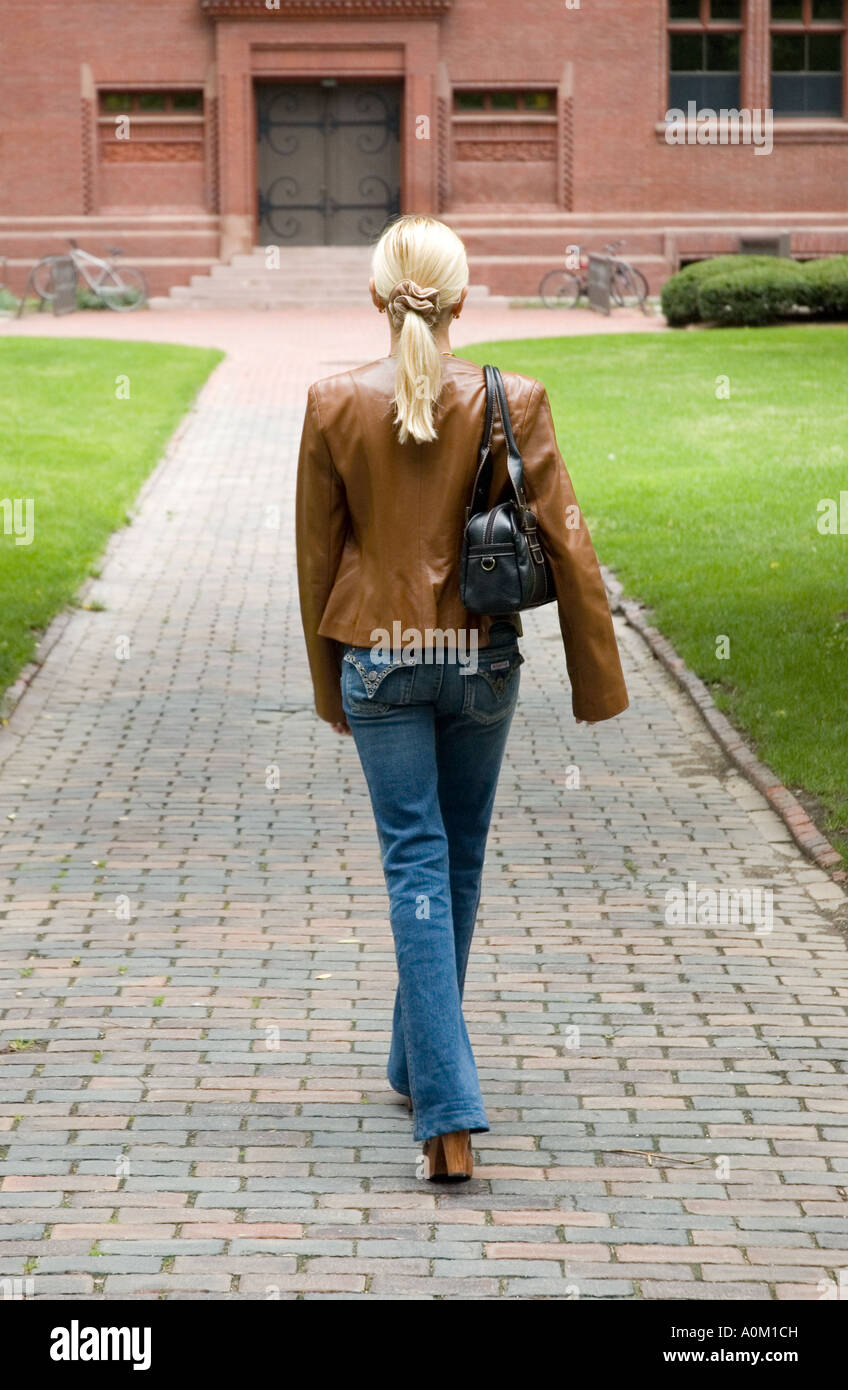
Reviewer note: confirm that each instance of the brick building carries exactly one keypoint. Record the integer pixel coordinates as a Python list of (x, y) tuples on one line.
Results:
[(192, 130)]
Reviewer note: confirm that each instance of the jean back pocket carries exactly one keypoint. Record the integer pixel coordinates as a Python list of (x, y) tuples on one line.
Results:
[(364, 675), (491, 683)]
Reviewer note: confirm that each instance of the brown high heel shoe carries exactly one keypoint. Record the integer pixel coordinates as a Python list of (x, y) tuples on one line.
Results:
[(449, 1156)]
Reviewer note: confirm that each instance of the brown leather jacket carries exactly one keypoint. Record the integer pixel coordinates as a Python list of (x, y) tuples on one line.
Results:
[(379, 526)]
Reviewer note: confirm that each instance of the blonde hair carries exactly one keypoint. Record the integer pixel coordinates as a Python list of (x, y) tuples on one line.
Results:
[(425, 251)]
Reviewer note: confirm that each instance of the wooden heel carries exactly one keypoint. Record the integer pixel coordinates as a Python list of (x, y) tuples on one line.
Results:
[(450, 1157)]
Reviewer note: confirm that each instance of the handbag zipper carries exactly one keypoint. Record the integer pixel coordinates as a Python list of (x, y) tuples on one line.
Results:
[(487, 537), (490, 522)]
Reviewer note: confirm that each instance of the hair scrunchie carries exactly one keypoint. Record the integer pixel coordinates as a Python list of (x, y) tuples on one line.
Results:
[(406, 296)]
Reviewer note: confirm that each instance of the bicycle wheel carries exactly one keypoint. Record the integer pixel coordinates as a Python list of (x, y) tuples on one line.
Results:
[(618, 285), (41, 278), (628, 283), (123, 289), (559, 290), (642, 290)]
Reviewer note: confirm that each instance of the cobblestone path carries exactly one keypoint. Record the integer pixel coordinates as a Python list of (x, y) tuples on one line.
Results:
[(197, 972)]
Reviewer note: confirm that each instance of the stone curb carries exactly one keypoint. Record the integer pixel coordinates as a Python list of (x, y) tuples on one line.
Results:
[(791, 812), (13, 694)]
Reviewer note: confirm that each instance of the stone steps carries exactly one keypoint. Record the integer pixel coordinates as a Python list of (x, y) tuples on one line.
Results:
[(508, 254), (311, 276), (307, 277)]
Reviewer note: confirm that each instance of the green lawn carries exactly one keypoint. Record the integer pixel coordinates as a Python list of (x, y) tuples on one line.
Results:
[(707, 509), (69, 442)]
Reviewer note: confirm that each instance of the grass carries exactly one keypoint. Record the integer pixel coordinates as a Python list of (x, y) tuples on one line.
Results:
[(707, 509), (73, 444)]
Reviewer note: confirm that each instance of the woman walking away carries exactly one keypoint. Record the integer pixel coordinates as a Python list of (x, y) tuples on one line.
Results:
[(388, 460)]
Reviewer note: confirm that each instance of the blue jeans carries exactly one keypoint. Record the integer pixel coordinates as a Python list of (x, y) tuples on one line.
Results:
[(431, 741)]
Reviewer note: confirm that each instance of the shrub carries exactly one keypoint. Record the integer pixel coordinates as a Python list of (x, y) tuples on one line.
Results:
[(751, 295), (679, 295), (826, 286), (754, 290)]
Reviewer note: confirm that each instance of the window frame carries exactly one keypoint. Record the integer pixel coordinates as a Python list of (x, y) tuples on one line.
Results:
[(756, 75), (803, 27), (703, 26), (505, 113), (138, 113)]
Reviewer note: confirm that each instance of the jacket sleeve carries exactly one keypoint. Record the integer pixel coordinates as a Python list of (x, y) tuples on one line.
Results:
[(321, 520), (591, 651)]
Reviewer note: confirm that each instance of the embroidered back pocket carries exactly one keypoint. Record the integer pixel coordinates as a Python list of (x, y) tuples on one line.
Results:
[(491, 690), (363, 676)]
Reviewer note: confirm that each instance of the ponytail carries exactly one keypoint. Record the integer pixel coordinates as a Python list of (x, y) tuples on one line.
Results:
[(418, 251), (418, 380)]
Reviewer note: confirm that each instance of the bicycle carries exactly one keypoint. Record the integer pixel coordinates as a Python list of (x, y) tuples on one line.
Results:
[(626, 280), (121, 290), (563, 288)]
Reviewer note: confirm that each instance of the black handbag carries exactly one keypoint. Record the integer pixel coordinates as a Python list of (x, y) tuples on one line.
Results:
[(503, 566)]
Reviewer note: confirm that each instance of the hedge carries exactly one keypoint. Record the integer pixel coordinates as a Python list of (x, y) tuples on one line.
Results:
[(752, 290), (826, 286)]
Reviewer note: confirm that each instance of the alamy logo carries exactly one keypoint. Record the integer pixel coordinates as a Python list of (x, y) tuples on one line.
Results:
[(77, 1343), (709, 907), (724, 127), (17, 1288), (18, 518), (428, 646), (833, 515)]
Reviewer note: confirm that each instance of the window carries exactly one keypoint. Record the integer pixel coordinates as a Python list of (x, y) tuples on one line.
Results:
[(704, 53), (505, 100), (167, 103), (807, 47)]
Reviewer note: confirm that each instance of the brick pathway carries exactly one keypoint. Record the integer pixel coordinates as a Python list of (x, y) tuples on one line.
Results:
[(202, 963)]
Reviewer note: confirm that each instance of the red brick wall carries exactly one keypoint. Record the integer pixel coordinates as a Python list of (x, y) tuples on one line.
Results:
[(44, 46), (617, 48), (609, 54)]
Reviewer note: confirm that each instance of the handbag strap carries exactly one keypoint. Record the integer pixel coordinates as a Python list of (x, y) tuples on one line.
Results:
[(479, 498), (480, 492)]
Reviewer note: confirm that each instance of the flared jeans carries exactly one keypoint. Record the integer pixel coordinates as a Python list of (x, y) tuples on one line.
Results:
[(431, 736)]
